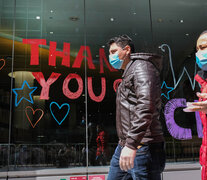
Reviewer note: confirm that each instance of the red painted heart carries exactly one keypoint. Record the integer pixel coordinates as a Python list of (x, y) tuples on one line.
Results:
[(3, 63), (33, 112)]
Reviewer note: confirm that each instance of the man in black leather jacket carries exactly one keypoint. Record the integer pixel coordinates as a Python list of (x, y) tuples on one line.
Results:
[(140, 153)]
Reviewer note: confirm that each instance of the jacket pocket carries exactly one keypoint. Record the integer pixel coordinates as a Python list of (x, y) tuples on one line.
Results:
[(143, 150)]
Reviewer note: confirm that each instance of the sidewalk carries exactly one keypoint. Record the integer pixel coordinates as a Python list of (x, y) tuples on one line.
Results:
[(178, 171)]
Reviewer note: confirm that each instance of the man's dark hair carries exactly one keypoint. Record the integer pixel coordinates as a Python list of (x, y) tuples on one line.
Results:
[(122, 41)]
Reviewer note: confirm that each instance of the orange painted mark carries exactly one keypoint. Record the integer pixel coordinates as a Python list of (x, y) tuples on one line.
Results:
[(4, 62), (33, 111)]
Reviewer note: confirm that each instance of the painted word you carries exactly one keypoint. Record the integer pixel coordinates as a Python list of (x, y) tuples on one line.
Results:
[(66, 91)]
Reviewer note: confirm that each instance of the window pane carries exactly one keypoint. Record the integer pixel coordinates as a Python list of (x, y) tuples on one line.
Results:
[(48, 105), (105, 20), (6, 58)]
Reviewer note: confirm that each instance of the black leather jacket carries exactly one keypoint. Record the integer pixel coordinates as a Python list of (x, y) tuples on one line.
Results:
[(138, 101)]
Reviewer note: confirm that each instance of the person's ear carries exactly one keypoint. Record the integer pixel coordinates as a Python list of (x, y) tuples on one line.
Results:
[(128, 49)]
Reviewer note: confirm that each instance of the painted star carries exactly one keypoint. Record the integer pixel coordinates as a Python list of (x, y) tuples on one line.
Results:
[(15, 91), (168, 91)]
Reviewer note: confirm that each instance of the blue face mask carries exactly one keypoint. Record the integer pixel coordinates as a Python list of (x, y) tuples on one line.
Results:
[(201, 59), (115, 61)]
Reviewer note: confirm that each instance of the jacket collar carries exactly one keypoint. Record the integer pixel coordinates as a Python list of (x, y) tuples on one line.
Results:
[(127, 67), (155, 59), (202, 74)]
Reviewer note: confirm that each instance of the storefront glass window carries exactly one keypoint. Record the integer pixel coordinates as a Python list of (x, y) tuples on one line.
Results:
[(58, 89), (49, 118)]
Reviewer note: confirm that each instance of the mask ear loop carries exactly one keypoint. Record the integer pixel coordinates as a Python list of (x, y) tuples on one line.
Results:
[(125, 54), (123, 50)]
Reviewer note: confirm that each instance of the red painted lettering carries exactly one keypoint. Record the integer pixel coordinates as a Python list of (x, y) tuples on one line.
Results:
[(65, 54), (91, 93), (79, 58), (45, 84), (102, 57), (67, 92), (34, 49), (116, 84)]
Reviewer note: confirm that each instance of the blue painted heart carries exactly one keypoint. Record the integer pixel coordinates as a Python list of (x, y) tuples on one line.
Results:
[(53, 104)]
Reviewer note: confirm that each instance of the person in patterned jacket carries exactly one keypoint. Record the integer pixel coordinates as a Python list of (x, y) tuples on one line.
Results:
[(201, 106), (102, 145)]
